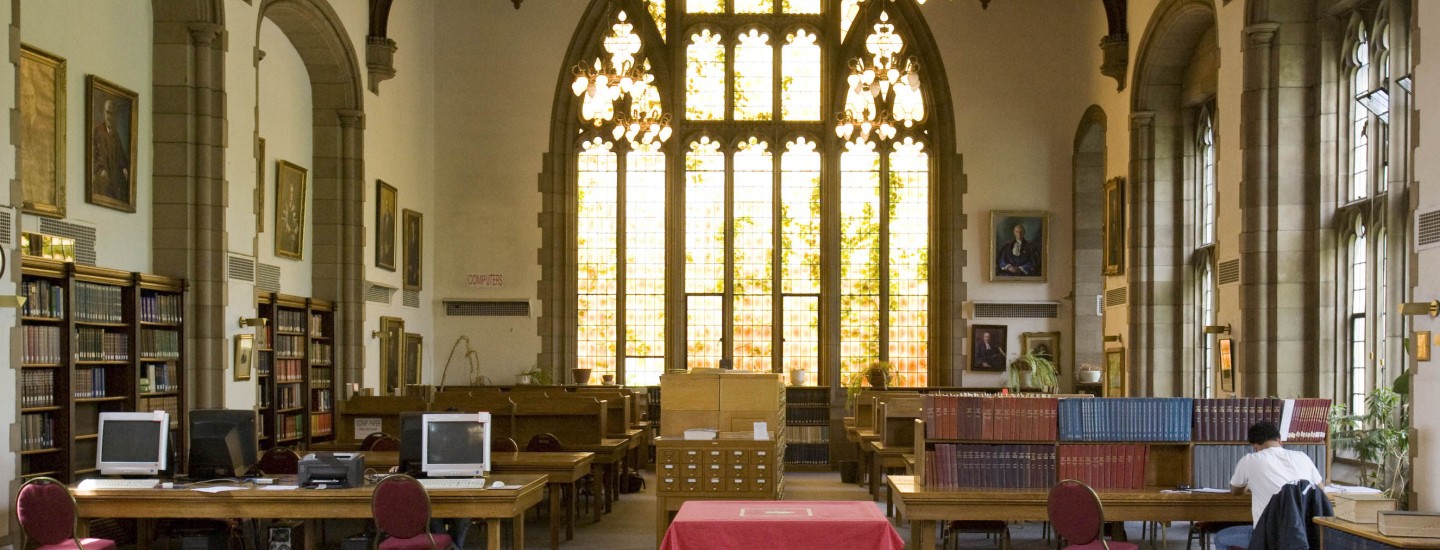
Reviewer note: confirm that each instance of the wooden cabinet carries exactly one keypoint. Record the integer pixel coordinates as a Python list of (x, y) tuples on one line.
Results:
[(295, 371), (807, 428), (94, 340)]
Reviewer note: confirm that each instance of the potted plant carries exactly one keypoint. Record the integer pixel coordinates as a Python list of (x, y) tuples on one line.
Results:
[(878, 375), (1032, 370), (1380, 438), (1088, 374), (534, 375), (581, 375)]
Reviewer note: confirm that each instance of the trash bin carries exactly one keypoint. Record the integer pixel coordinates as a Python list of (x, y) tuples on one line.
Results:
[(849, 470)]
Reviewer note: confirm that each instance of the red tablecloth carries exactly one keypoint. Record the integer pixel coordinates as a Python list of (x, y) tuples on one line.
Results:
[(787, 525)]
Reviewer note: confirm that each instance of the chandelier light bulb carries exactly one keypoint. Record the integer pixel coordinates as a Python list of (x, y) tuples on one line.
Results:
[(580, 84)]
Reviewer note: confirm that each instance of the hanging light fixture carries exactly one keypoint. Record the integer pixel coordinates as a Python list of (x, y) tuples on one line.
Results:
[(601, 86), (882, 82)]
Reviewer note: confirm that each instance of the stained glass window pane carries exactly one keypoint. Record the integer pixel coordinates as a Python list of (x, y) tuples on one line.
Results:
[(800, 77), (802, 336), (754, 77), (849, 9), (909, 258), (705, 6), (657, 13), (704, 218), (1360, 117), (754, 252), (800, 218), (803, 7), (597, 249), (705, 77), (703, 318), (859, 257), (1207, 318), (1207, 181), (754, 6), (644, 257)]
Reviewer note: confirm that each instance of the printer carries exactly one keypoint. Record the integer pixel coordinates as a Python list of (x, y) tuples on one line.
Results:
[(343, 469)]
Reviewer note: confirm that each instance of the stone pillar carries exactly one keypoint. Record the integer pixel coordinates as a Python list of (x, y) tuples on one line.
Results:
[(1139, 238)]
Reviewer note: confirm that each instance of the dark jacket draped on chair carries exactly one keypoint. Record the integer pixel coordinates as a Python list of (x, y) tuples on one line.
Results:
[(1285, 524)]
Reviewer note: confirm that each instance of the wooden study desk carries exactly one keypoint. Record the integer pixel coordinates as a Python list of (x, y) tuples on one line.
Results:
[(561, 470), (492, 505), (1338, 534), (609, 455), (925, 506)]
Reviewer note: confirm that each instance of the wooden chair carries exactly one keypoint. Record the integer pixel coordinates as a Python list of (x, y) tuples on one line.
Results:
[(368, 443), (46, 513), (543, 443), (401, 509), (1075, 511), (387, 443), (279, 461), (504, 445)]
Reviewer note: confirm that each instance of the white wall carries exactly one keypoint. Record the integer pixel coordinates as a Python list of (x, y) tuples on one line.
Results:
[(1426, 383), (8, 331)]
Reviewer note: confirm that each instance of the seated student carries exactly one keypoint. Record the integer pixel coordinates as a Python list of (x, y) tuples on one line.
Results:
[(1264, 472)]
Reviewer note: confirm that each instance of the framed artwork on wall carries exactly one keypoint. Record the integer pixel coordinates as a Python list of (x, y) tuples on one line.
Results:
[(42, 132), (392, 367), (1045, 344), (1115, 375), (244, 356), (1227, 365), (987, 347), (1115, 226), (289, 210), (112, 114), (385, 201), (414, 240), (1017, 245), (413, 346), (259, 185)]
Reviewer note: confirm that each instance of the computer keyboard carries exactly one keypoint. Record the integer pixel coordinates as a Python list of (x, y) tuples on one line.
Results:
[(103, 484), (453, 483)]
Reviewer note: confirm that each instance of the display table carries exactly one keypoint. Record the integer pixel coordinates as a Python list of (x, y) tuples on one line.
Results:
[(1338, 534), (789, 525)]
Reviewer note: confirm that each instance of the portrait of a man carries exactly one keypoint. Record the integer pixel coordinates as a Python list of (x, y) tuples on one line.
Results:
[(289, 211), (414, 238), (987, 349), (1018, 246), (112, 120), (385, 200)]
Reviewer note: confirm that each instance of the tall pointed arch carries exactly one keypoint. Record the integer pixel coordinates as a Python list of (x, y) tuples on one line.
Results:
[(738, 251)]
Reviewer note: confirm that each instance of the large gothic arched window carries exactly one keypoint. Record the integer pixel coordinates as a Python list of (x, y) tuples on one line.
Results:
[(752, 180)]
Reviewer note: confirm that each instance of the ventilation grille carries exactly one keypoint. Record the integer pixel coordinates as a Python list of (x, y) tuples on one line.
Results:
[(84, 238), (267, 277), (1116, 296), (1229, 272), (1022, 310), (7, 232), (241, 268), (411, 298), (487, 308), (379, 294), (1427, 230)]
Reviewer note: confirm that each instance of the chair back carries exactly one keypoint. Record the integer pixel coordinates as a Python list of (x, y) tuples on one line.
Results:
[(1075, 511), (387, 443), (504, 445), (544, 443), (46, 511), (401, 507), (369, 443), (279, 461)]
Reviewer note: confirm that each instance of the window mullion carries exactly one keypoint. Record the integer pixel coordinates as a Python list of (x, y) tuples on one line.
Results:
[(622, 345), (727, 301), (883, 284)]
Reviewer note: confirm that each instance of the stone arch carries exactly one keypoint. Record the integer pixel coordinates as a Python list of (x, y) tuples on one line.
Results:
[(337, 171), (189, 178), (1156, 200), (1088, 180)]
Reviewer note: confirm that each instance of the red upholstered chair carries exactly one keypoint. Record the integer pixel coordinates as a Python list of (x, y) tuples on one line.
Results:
[(369, 442), (544, 443), (1075, 511), (279, 461), (46, 511), (401, 509), (503, 445), (387, 443)]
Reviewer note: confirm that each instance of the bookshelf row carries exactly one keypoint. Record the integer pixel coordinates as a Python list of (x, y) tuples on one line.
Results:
[(95, 340), (296, 380), (807, 426)]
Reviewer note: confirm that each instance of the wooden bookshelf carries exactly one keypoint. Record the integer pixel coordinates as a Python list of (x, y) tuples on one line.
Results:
[(94, 340), (295, 371), (807, 428)]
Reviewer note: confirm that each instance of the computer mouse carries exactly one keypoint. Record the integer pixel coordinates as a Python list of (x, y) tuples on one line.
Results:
[(497, 484)]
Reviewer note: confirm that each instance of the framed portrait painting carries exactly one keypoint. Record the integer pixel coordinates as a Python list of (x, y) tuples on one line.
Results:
[(987, 347), (1017, 245), (1227, 365), (1115, 375), (385, 201), (289, 211), (244, 356), (392, 367), (414, 241), (1044, 344), (1114, 226), (42, 133), (413, 346), (112, 115)]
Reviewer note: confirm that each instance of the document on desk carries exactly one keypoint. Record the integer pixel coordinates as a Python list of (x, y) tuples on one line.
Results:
[(218, 489), (1209, 490), (279, 487)]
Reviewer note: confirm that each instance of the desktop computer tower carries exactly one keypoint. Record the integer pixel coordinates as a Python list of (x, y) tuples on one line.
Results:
[(286, 535)]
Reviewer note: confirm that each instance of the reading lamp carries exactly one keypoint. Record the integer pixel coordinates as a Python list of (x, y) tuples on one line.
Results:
[(247, 322), (1217, 329), (1431, 308)]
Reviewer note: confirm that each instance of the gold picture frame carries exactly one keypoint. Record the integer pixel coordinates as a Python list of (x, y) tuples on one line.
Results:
[(392, 374), (244, 356), (414, 244), (1047, 343), (259, 185), (1422, 346), (1116, 382), (112, 116), (42, 132), (1019, 245), (386, 199), (1227, 364), (1114, 238), (414, 352), (289, 210)]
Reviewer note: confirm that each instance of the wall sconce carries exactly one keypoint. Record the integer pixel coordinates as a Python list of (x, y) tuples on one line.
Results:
[(1113, 338), (247, 322), (1217, 329), (1431, 308), (12, 301)]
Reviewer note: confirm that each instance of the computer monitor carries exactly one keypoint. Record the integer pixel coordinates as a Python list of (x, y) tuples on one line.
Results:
[(132, 443), (411, 433), (455, 444), (222, 442)]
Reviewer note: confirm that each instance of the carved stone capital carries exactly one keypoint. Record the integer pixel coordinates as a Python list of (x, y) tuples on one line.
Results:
[(204, 34), (380, 59), (1261, 34), (1116, 49)]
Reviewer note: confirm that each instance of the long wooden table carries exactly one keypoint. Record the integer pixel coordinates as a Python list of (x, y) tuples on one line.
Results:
[(609, 455), (924, 506), (562, 471), (1368, 532), (492, 505)]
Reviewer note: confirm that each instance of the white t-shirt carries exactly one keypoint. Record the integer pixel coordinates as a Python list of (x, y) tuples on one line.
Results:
[(1265, 472)]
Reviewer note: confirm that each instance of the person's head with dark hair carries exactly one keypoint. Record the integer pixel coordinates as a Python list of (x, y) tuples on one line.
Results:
[(1262, 432)]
